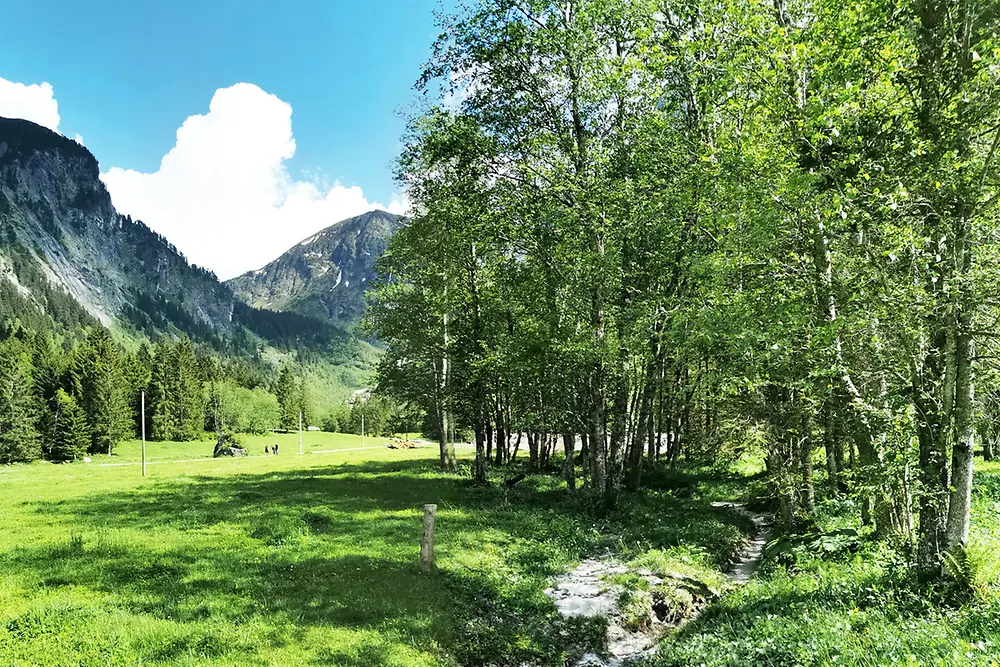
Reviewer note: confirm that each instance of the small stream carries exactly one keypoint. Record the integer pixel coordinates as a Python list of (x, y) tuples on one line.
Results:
[(584, 592)]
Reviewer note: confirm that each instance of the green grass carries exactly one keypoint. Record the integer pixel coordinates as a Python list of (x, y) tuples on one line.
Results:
[(312, 560), (858, 609), (288, 444)]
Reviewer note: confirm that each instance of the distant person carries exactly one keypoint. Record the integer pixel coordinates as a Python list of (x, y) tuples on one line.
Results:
[(275, 449), (267, 450)]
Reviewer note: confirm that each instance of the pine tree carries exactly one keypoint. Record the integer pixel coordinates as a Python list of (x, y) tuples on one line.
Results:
[(98, 385), (18, 437), (190, 399), (305, 408), (47, 363), (176, 405), (137, 377), (69, 435), (161, 410), (289, 398)]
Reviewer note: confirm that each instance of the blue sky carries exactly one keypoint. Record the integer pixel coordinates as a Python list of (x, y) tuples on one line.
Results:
[(127, 74)]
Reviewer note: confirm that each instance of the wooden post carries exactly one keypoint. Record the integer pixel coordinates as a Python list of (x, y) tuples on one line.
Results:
[(143, 419), (427, 539)]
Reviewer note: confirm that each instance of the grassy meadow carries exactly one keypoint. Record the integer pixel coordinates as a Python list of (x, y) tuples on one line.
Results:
[(312, 560), (288, 444)]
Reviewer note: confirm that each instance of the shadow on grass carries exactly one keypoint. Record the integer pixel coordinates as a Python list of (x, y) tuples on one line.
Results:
[(334, 548), (865, 609)]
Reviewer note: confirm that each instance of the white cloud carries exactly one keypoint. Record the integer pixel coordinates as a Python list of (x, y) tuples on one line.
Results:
[(223, 195), (36, 103)]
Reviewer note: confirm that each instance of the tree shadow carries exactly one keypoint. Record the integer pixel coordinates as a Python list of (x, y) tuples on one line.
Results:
[(336, 547)]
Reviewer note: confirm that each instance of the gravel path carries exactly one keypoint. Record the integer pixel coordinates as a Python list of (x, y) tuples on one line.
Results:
[(750, 559)]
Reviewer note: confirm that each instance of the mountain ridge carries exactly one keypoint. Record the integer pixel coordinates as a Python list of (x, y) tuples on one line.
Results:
[(68, 255), (325, 274), (56, 213)]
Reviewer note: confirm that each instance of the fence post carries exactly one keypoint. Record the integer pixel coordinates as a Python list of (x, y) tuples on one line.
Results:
[(143, 418), (427, 539)]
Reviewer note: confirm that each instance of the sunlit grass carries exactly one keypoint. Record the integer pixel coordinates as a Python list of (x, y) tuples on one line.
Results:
[(288, 443), (312, 559)]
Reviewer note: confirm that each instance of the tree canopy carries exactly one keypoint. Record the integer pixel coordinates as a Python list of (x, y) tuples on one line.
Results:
[(669, 231)]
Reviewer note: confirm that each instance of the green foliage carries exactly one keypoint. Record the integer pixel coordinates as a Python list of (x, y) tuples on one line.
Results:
[(337, 420), (379, 414), (289, 393), (787, 549), (243, 410), (18, 437), (96, 381), (290, 331), (69, 436), (304, 403), (176, 401)]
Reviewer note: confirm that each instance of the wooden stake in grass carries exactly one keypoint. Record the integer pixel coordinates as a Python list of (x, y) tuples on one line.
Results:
[(427, 539)]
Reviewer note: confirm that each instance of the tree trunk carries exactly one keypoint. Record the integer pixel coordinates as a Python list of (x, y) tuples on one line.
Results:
[(807, 493), (598, 439), (830, 448), (480, 470), (447, 448), (533, 450), (489, 440), (960, 504), (446, 441), (502, 438), (933, 463), (569, 465), (655, 420), (643, 430)]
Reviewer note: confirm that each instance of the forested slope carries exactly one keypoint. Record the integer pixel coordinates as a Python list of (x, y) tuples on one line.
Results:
[(96, 308)]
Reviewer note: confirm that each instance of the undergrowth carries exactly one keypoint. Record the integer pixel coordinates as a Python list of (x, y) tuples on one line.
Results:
[(834, 595)]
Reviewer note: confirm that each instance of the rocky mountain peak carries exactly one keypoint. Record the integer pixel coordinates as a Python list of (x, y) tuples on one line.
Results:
[(326, 274)]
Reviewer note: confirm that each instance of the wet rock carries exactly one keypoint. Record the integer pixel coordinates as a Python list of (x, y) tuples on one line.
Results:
[(586, 592)]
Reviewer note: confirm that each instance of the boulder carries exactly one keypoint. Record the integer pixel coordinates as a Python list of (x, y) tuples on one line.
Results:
[(228, 450), (228, 444)]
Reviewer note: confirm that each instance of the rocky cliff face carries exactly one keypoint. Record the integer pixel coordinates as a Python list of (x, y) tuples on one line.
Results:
[(324, 276), (57, 216)]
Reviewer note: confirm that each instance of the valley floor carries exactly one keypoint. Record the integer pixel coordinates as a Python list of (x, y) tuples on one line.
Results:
[(312, 560)]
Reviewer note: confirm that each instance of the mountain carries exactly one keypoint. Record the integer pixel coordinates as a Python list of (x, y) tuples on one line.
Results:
[(58, 226), (324, 276), (68, 258)]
